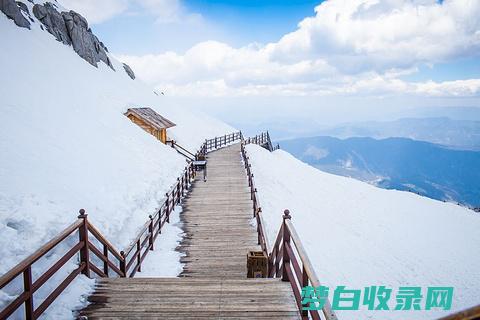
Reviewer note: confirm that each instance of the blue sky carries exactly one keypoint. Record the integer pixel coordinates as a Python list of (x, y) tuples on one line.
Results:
[(364, 58), (456, 69), (255, 21), (237, 23)]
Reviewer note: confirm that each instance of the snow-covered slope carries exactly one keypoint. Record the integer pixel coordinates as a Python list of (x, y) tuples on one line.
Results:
[(65, 144), (358, 235)]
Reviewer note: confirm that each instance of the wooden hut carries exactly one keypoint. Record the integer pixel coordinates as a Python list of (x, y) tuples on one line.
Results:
[(150, 121)]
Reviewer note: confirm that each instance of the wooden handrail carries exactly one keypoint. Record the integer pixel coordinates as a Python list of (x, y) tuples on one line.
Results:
[(184, 152), (219, 142), (257, 209), (299, 270), (30, 287), (103, 240), (172, 197), (307, 265), (31, 259), (262, 139)]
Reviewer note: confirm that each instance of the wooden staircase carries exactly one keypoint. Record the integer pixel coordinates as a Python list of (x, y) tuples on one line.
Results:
[(216, 218)]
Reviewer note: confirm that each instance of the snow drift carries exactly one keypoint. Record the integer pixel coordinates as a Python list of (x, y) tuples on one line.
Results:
[(359, 235), (65, 144)]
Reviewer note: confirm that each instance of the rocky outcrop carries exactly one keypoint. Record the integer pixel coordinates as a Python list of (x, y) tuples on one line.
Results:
[(53, 21), (85, 43), (129, 71), (12, 10), (72, 29)]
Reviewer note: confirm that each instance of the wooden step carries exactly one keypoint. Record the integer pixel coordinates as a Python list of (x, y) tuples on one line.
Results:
[(191, 298)]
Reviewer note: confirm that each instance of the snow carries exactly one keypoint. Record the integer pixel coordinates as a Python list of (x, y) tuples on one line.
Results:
[(163, 261), (66, 145), (359, 235)]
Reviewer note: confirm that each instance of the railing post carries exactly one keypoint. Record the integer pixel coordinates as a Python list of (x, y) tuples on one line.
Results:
[(27, 286), (123, 264), (150, 230), (215, 142), (187, 178), (139, 256), (304, 283), (167, 208), (178, 190), (286, 239), (259, 226), (181, 188), (83, 237), (105, 263)]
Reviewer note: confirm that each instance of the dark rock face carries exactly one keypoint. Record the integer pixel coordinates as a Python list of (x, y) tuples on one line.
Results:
[(85, 43), (22, 6), (129, 71), (12, 10), (53, 21), (72, 29)]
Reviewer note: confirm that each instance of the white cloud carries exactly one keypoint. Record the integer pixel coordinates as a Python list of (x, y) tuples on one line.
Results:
[(96, 11), (170, 11), (381, 34), (457, 88), (316, 153), (359, 47), (165, 11)]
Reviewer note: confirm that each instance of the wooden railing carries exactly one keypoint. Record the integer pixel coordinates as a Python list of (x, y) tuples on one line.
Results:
[(91, 243), (263, 139), (24, 269), (207, 146), (219, 142), (290, 263), (184, 152), (257, 209)]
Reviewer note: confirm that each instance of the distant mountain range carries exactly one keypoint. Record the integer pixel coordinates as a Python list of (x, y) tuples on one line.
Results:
[(429, 169), (462, 134), (447, 131)]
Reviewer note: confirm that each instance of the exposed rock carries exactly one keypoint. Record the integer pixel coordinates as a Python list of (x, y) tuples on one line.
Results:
[(129, 71), (72, 28), (22, 6), (25, 10), (53, 21), (12, 10), (85, 43)]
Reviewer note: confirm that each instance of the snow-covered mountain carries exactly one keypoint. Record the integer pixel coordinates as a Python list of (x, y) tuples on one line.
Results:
[(65, 143), (358, 235)]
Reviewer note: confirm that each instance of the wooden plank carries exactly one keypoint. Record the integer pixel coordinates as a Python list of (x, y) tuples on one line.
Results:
[(218, 232)]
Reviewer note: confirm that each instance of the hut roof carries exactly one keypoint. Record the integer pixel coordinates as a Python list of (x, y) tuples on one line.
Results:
[(151, 117)]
